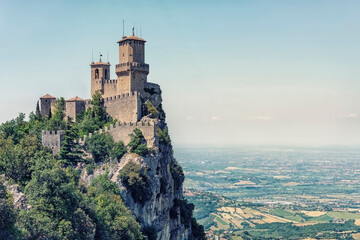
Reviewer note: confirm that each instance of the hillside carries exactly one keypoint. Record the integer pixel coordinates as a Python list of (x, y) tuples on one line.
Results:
[(96, 189)]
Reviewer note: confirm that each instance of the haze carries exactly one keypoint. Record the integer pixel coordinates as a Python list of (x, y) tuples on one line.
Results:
[(231, 72)]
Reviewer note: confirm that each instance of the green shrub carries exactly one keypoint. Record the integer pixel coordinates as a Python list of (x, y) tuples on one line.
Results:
[(136, 180), (163, 135), (7, 215), (113, 219), (90, 168), (100, 146), (118, 150), (137, 143), (151, 109)]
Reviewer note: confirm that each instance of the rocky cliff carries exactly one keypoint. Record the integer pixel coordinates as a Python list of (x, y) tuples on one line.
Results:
[(161, 210)]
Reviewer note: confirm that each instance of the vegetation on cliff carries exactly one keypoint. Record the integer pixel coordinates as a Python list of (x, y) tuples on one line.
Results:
[(136, 180), (60, 206)]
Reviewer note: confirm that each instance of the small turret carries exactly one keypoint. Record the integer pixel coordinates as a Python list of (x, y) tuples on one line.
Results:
[(74, 106), (100, 72), (52, 140)]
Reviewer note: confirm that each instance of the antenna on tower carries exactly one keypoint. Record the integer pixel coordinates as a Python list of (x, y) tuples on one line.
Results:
[(92, 55), (100, 56), (123, 28)]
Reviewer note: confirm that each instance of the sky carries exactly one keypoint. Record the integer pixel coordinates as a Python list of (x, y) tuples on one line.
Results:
[(248, 72)]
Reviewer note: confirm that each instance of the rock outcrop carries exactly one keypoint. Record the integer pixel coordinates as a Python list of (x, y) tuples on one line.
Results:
[(158, 213)]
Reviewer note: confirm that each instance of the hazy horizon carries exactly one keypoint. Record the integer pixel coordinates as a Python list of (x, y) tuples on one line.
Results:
[(242, 73)]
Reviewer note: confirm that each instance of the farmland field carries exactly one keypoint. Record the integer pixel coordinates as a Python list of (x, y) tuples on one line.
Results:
[(251, 193)]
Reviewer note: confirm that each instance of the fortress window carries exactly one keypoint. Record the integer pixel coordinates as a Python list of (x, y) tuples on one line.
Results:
[(96, 73), (106, 73)]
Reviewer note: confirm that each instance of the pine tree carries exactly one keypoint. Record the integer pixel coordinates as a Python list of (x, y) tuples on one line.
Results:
[(70, 151), (37, 112)]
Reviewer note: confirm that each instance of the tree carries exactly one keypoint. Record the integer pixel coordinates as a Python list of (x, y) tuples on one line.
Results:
[(113, 219), (70, 151), (137, 143), (118, 150), (56, 121), (7, 215), (94, 118), (100, 146), (15, 128), (17, 161), (136, 180), (54, 200), (37, 111), (99, 112)]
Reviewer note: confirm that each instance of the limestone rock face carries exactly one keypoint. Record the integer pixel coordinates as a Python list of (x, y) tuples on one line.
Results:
[(155, 213), (20, 200)]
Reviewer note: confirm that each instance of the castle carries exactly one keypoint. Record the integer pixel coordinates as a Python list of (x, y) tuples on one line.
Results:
[(123, 97)]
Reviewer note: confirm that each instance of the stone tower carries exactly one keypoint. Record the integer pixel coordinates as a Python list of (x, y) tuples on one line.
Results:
[(132, 70), (74, 106), (46, 102), (100, 73)]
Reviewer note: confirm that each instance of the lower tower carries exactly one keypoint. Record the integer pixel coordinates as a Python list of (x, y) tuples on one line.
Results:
[(100, 74)]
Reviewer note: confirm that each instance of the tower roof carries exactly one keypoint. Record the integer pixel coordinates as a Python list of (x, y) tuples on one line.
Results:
[(75, 99), (48, 96), (132, 37)]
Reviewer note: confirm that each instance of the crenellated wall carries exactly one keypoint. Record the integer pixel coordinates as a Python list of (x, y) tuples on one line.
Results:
[(52, 139), (124, 107), (121, 132), (110, 87)]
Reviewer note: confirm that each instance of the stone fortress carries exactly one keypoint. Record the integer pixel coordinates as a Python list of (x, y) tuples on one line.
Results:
[(123, 98)]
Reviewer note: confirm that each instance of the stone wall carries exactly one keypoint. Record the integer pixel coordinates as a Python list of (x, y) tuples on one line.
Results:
[(131, 51), (110, 88), (46, 105), (52, 139), (121, 132), (125, 107)]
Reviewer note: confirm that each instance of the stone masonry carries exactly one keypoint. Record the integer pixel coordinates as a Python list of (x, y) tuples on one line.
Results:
[(122, 97), (52, 139)]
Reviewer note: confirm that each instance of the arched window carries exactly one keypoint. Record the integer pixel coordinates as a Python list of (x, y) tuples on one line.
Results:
[(106, 74), (96, 73)]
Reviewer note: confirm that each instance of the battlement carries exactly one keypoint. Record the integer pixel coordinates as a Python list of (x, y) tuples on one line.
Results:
[(121, 96), (130, 66), (52, 139), (121, 131), (106, 81), (115, 97)]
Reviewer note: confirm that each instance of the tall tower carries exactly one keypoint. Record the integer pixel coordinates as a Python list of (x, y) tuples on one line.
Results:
[(100, 72), (132, 70)]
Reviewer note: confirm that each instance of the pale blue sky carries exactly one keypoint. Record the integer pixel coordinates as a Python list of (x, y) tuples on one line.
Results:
[(232, 72)]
